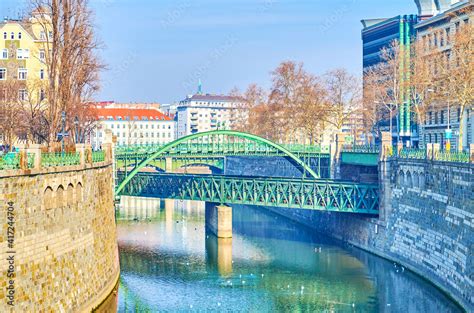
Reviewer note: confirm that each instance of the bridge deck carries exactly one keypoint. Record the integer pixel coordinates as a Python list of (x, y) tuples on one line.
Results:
[(319, 194)]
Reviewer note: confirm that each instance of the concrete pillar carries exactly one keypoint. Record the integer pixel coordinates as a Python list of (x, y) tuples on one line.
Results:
[(168, 164), (435, 150), (108, 145), (219, 220), (81, 149), (35, 149), (386, 149), (429, 151), (399, 147), (335, 166)]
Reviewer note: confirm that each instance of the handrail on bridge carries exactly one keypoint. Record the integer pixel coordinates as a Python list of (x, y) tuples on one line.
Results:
[(230, 133)]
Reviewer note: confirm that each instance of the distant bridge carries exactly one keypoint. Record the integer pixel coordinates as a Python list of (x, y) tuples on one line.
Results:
[(306, 193)]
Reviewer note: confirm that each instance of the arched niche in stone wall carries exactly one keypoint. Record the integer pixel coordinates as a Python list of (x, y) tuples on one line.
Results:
[(408, 180), (79, 193), (60, 196), (415, 179), (70, 194), (401, 178), (48, 199)]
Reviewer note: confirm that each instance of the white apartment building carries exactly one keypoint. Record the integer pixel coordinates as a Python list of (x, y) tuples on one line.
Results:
[(133, 127), (205, 112)]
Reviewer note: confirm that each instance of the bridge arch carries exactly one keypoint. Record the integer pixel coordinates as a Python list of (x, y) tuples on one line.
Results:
[(230, 133)]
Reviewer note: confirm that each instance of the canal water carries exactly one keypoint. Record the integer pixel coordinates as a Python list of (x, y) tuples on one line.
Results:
[(170, 263)]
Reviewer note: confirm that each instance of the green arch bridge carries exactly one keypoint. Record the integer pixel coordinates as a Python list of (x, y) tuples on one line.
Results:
[(309, 192)]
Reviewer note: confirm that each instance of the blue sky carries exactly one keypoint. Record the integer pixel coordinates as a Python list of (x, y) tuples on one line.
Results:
[(156, 50)]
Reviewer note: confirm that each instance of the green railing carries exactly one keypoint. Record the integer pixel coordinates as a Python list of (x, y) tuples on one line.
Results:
[(452, 156), (361, 148), (98, 156), (411, 153), (60, 159), (10, 161)]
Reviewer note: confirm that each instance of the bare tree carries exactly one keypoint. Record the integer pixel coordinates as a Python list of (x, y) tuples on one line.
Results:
[(456, 74), (344, 97), (11, 120), (71, 60)]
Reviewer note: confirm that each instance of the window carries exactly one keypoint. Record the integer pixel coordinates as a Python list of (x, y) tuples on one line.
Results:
[(19, 35), (5, 35), (41, 74), (4, 54), (22, 54), (430, 117), (22, 95), (12, 36), (442, 117), (459, 114), (42, 35), (22, 73), (50, 35), (3, 73), (42, 55), (448, 38)]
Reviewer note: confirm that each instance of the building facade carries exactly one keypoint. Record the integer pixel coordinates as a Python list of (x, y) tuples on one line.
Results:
[(200, 113), (378, 34), (444, 119), (23, 54), (133, 127)]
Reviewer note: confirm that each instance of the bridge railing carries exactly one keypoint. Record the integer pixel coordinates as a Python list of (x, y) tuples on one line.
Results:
[(361, 148), (34, 158), (13, 160), (432, 152), (217, 147)]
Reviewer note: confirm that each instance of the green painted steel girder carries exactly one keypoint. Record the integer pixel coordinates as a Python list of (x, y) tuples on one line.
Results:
[(324, 195), (230, 133)]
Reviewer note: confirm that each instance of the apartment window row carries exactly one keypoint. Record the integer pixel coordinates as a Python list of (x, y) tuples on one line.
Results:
[(441, 37), (22, 74), (152, 126), (441, 117), (12, 35)]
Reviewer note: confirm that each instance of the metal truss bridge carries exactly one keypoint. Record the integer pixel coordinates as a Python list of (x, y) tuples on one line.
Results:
[(309, 192), (213, 147), (325, 195)]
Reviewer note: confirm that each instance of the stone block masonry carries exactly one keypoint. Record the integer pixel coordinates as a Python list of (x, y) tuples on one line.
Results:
[(65, 249)]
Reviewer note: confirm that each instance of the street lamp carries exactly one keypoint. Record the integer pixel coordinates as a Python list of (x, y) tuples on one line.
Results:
[(76, 123), (391, 118)]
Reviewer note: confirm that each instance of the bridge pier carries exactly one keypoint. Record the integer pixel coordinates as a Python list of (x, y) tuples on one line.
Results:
[(169, 165), (219, 220)]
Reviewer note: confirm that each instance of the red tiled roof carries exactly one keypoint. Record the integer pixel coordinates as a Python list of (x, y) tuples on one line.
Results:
[(131, 114)]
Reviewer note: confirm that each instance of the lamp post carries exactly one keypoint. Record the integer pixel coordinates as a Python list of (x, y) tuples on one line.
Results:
[(391, 118), (76, 124)]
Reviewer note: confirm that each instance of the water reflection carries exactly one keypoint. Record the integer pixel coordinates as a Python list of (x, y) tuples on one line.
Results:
[(169, 262)]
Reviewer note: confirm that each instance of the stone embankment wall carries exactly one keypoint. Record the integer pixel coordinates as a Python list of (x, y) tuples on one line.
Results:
[(426, 223), (62, 255)]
